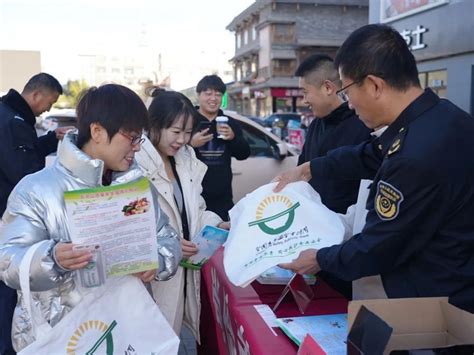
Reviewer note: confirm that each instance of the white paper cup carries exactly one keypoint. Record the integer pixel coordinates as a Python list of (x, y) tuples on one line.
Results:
[(221, 121)]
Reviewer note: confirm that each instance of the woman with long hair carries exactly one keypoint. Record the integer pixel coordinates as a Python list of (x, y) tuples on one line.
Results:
[(171, 165)]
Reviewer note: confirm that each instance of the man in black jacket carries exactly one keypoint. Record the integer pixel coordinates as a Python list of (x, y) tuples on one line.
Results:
[(22, 153), (216, 146), (335, 125)]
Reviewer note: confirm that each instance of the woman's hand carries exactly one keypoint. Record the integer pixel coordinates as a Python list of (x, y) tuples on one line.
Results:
[(224, 225), (188, 248), (71, 259), (146, 276)]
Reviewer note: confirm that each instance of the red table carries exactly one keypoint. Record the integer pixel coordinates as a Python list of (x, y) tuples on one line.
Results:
[(231, 325)]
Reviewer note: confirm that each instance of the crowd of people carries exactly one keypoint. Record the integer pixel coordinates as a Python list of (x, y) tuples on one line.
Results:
[(394, 160)]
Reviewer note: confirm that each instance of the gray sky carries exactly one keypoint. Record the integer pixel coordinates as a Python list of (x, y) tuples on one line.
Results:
[(183, 31)]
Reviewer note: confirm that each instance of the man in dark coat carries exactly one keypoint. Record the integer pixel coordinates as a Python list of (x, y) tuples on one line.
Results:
[(335, 125), (22, 153)]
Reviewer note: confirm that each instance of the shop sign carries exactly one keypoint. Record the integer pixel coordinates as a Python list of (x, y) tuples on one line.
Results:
[(414, 38), (296, 137), (391, 10), (283, 92)]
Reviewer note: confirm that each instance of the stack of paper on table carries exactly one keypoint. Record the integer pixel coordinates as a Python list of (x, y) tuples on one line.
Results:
[(278, 276), (329, 331)]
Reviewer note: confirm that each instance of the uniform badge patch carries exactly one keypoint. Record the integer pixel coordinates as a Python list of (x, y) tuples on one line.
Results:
[(387, 201)]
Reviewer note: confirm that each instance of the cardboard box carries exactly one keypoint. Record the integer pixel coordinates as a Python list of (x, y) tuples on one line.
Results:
[(407, 324)]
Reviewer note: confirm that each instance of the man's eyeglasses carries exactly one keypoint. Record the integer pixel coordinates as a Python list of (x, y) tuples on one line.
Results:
[(133, 140), (342, 92)]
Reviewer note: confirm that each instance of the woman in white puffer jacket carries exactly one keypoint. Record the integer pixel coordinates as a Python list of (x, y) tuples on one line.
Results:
[(171, 165)]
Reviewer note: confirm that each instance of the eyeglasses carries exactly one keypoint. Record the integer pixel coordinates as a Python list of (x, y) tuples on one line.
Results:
[(133, 140), (341, 93)]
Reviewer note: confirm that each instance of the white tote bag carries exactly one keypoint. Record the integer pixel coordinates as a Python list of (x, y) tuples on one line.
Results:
[(271, 228), (119, 317)]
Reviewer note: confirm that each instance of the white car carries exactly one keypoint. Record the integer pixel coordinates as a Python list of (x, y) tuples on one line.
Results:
[(269, 156)]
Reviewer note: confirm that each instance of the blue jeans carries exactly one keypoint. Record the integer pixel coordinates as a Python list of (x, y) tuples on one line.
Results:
[(7, 306)]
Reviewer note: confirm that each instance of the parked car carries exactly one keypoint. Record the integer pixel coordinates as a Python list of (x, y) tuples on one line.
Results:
[(258, 120), (58, 118), (279, 122), (269, 155), (282, 117)]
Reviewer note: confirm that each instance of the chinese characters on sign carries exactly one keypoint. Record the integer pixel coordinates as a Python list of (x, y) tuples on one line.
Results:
[(414, 39)]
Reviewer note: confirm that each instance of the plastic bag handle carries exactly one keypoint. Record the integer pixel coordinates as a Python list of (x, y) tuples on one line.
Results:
[(38, 324)]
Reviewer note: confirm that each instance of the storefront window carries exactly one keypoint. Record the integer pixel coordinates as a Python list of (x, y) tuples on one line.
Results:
[(283, 104), (283, 33), (436, 80)]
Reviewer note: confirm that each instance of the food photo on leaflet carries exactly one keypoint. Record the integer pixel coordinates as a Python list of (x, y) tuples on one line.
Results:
[(136, 207)]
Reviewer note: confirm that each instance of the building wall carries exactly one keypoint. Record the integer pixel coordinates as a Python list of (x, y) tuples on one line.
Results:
[(288, 31), (329, 23), (460, 71), (17, 67), (265, 47), (448, 44)]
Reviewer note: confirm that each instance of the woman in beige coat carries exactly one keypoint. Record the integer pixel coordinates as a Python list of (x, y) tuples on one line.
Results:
[(171, 165)]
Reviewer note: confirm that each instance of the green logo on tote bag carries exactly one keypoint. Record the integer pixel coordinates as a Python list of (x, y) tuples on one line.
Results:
[(277, 222), (91, 325)]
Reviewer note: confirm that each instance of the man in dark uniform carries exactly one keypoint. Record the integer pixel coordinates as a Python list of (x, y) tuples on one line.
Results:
[(216, 146), (419, 231)]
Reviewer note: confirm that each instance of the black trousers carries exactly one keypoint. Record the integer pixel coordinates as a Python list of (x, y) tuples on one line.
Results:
[(8, 298), (220, 206), (341, 286)]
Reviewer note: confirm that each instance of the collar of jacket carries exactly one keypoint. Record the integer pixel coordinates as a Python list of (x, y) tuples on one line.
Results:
[(151, 163), (420, 105), (17, 103), (201, 116), (88, 170), (338, 115)]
